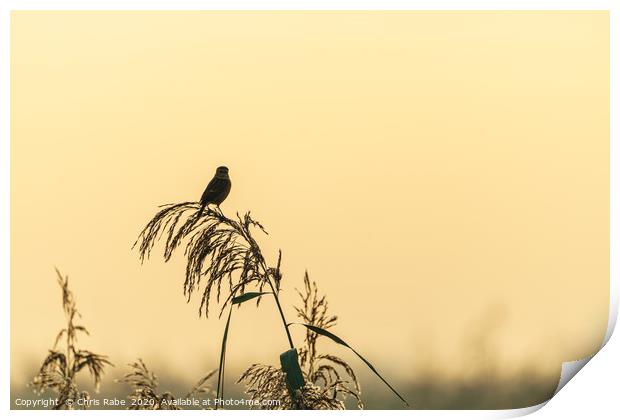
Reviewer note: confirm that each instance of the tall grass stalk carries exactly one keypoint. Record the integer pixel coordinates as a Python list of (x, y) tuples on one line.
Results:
[(222, 253), (59, 369)]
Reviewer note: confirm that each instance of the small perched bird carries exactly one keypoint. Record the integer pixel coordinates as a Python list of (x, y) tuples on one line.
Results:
[(217, 190)]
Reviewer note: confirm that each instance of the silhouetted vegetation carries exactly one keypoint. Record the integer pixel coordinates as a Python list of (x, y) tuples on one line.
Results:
[(224, 253), (144, 394), (60, 367), (329, 381), (224, 263), (324, 374)]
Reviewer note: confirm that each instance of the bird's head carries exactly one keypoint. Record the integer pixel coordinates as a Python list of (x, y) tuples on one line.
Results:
[(221, 172)]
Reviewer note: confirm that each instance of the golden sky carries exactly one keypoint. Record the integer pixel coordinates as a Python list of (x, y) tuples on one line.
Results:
[(444, 176)]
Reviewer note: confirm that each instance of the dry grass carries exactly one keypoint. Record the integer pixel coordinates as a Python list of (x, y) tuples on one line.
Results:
[(329, 380), (144, 393), (220, 250), (222, 253), (59, 369)]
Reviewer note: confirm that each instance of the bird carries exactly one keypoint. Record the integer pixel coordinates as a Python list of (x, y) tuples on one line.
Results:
[(217, 190)]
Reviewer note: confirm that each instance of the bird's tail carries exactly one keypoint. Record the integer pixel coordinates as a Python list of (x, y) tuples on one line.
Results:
[(202, 209)]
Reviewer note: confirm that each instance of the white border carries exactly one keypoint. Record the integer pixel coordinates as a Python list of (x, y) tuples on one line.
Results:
[(569, 369)]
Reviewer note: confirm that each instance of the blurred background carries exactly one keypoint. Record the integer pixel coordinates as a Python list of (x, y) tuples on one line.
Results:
[(443, 176)]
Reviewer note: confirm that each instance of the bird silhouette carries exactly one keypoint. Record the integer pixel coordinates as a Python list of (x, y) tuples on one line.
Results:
[(217, 190)]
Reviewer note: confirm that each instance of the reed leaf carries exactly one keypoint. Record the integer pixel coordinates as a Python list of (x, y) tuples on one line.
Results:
[(292, 372), (340, 341), (248, 296)]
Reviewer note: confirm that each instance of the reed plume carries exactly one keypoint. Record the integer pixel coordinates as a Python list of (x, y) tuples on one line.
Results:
[(59, 369), (220, 250), (144, 389), (224, 253), (329, 380)]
